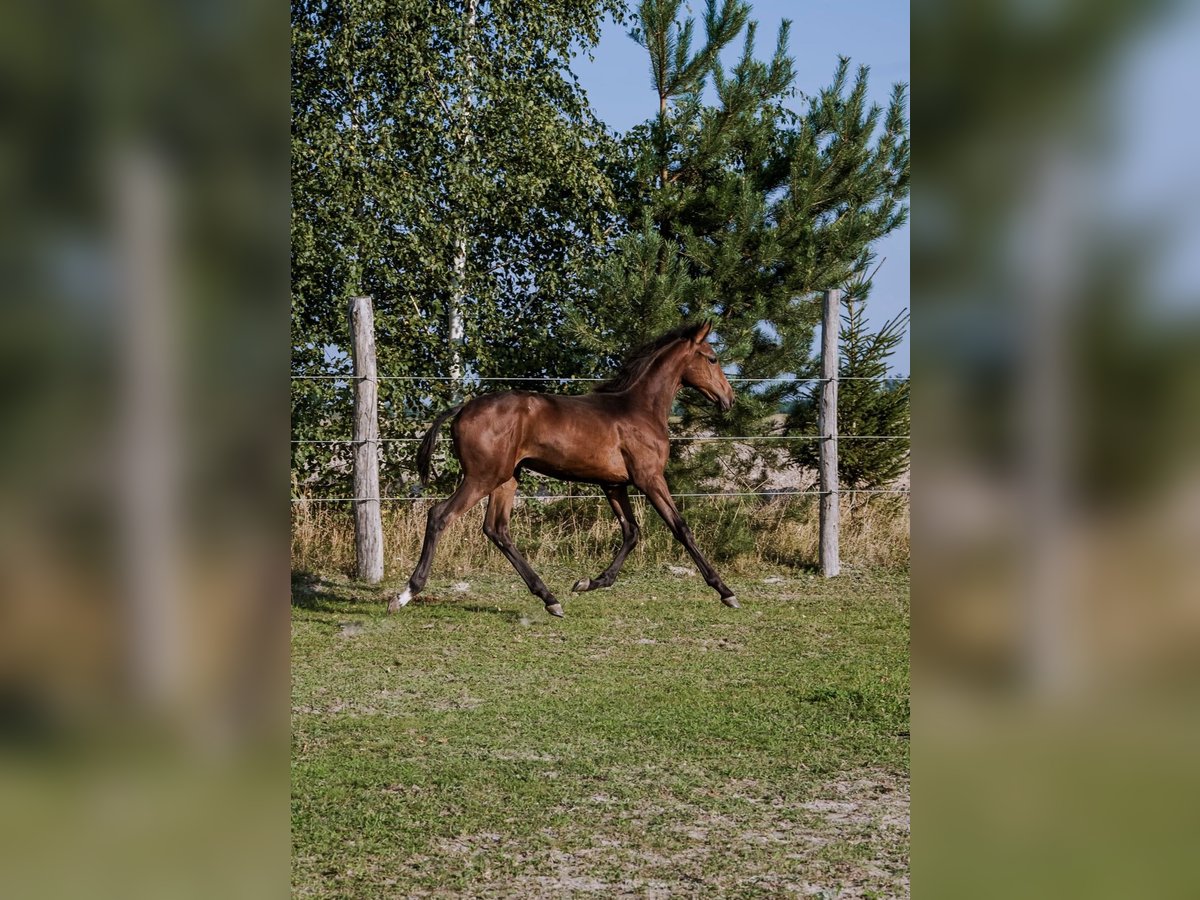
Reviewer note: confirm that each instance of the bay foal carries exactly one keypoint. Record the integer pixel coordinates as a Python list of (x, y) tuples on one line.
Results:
[(614, 437)]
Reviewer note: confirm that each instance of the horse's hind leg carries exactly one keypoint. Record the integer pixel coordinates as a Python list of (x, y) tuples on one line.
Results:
[(441, 515), (495, 526), (618, 499)]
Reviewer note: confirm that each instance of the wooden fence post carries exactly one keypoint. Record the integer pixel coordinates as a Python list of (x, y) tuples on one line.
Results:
[(368, 524), (149, 474), (827, 424)]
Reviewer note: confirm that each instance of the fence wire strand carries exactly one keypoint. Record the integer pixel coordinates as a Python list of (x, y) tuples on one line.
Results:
[(570, 379), (545, 497), (706, 440)]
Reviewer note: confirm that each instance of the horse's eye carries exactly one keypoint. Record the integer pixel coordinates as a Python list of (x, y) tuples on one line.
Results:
[(713, 360)]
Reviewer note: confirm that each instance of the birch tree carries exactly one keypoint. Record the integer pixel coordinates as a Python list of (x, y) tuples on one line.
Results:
[(446, 162)]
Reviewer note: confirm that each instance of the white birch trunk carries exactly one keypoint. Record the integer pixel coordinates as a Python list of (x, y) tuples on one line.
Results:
[(458, 285)]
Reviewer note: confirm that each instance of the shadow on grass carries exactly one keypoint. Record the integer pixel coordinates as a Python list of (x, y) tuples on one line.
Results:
[(312, 592), (317, 594), (511, 614), (798, 566)]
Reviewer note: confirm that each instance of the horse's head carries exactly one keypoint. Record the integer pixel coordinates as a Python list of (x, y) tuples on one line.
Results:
[(702, 369)]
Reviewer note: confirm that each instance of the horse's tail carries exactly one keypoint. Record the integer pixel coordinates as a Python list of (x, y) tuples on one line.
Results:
[(425, 452)]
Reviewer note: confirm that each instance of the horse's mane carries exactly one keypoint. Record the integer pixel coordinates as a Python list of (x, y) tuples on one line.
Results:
[(639, 360)]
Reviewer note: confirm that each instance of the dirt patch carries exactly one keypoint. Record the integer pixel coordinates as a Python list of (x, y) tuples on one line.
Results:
[(433, 600), (523, 756), (350, 629), (848, 839), (451, 704), (389, 703), (705, 645)]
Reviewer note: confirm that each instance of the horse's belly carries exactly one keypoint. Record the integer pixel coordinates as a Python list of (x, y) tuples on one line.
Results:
[(601, 470)]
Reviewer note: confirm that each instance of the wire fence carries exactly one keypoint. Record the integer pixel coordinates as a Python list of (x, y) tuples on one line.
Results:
[(549, 497), (683, 438), (469, 380)]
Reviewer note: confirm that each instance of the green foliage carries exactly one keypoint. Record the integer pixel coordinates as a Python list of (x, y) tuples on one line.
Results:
[(742, 210), (415, 132), (869, 403), (422, 133)]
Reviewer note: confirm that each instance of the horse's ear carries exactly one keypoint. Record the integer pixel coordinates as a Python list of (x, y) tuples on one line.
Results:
[(702, 331)]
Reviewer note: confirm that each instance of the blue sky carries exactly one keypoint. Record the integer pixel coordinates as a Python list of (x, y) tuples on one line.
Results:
[(871, 32)]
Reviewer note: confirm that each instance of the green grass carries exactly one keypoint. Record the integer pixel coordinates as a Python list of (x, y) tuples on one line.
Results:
[(652, 741)]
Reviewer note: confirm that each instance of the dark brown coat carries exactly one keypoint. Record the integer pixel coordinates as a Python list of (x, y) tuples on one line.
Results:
[(614, 437)]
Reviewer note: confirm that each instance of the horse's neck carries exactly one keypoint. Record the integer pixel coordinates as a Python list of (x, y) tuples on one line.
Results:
[(654, 393)]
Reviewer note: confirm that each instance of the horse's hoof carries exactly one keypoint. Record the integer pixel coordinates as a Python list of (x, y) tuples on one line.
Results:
[(583, 584), (555, 609), (399, 601), (731, 602)]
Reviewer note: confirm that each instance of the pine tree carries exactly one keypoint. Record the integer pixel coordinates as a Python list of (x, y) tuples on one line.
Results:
[(742, 210), (870, 404)]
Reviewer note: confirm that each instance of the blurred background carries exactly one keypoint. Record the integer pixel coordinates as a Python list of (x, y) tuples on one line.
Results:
[(1057, 485), (143, 467)]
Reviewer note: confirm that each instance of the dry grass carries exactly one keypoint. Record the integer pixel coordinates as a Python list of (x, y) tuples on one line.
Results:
[(739, 534)]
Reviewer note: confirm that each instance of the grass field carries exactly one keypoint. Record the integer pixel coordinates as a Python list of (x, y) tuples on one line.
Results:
[(652, 743)]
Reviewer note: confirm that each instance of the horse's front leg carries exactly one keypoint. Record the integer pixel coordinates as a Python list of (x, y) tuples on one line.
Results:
[(618, 499), (656, 490)]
